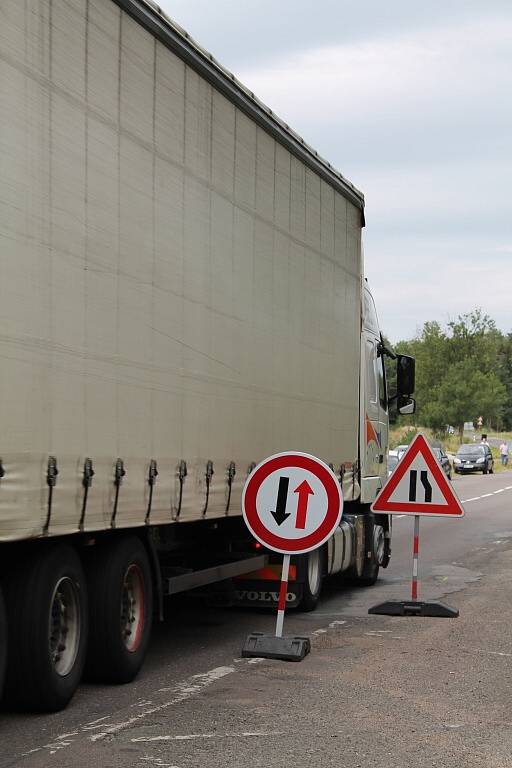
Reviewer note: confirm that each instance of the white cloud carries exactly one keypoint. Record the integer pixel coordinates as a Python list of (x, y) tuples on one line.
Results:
[(366, 80), (411, 101), (421, 123)]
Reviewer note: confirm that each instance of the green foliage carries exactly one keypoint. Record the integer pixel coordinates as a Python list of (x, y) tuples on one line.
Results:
[(406, 436), (462, 371), (504, 372)]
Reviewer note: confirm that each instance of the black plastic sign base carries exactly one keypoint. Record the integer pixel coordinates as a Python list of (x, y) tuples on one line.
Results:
[(258, 645), (415, 608)]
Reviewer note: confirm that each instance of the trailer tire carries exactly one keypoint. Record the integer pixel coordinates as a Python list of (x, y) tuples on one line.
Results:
[(313, 578), (46, 601), (3, 642), (367, 572), (121, 608)]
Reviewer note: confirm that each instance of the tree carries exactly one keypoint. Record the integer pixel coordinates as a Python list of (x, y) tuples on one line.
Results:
[(505, 375), (465, 391), (458, 376)]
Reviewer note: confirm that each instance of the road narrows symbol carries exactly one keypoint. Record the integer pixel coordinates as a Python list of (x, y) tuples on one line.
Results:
[(428, 488), (413, 480), (280, 515), (303, 491)]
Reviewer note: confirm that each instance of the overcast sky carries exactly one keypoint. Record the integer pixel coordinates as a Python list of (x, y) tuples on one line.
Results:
[(412, 101)]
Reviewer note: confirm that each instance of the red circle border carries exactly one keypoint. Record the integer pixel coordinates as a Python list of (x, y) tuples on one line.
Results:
[(334, 503)]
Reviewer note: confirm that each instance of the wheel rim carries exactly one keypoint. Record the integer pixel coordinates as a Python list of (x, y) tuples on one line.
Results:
[(132, 608), (64, 626), (378, 544), (314, 571)]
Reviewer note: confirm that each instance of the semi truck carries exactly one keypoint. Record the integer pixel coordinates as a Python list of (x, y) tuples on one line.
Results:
[(181, 295)]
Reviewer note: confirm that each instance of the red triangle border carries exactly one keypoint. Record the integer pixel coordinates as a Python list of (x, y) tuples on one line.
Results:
[(452, 508)]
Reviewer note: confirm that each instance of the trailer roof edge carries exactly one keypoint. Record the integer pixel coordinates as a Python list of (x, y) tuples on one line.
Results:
[(152, 18)]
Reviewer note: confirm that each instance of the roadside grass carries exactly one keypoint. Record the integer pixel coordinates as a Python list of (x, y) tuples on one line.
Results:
[(498, 466)]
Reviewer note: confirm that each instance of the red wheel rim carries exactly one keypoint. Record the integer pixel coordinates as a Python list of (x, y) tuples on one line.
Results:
[(132, 608)]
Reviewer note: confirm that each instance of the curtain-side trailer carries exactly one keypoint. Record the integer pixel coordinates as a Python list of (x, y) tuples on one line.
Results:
[(181, 295)]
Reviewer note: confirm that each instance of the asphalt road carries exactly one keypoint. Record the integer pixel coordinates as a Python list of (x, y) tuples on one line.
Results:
[(375, 691)]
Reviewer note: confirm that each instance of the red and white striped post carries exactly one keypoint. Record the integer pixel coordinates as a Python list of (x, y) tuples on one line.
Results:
[(282, 596), (415, 552)]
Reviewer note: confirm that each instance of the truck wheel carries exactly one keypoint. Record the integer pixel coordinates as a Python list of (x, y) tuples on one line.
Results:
[(366, 571), (3, 642), (46, 602), (121, 610), (313, 578)]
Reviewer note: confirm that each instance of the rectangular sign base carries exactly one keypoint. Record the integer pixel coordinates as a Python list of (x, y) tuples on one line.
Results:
[(258, 645), (415, 608)]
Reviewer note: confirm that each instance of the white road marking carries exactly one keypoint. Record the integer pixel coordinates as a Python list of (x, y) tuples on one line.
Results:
[(184, 691), (319, 632), (336, 624), (491, 653), (191, 736), (486, 495), (158, 761), (93, 723)]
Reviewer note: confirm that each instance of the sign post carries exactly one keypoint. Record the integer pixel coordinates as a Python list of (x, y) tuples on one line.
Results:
[(433, 496), (282, 596), (415, 552), (291, 503)]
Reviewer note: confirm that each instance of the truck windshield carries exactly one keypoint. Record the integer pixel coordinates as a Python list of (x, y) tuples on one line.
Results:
[(370, 313)]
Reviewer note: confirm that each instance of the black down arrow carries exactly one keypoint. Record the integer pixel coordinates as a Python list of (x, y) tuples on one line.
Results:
[(280, 514)]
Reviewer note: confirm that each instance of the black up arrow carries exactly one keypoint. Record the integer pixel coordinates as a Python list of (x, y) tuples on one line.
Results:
[(280, 514)]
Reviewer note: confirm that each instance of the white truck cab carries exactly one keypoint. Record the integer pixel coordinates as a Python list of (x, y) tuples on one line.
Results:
[(375, 399)]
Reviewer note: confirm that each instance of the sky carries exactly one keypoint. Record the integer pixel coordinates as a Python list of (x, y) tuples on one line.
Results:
[(412, 102)]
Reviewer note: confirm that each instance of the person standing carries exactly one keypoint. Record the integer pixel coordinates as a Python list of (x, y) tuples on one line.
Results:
[(504, 453), (483, 441)]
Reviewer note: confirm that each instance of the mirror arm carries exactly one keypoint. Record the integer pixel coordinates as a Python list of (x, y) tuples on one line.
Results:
[(383, 350)]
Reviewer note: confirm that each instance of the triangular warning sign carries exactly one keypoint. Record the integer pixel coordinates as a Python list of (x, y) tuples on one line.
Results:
[(418, 486)]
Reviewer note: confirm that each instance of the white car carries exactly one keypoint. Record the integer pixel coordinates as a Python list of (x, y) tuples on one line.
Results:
[(393, 459)]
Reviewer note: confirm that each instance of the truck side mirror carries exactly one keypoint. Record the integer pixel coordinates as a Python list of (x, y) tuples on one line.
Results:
[(405, 375), (406, 405)]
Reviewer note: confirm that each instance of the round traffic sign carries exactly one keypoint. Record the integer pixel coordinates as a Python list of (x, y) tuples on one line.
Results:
[(292, 502)]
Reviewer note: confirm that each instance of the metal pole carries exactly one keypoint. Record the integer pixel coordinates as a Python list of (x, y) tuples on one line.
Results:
[(282, 596), (415, 551)]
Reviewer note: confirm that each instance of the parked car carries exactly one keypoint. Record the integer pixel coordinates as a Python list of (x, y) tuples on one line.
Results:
[(473, 458), (443, 460), (392, 461)]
